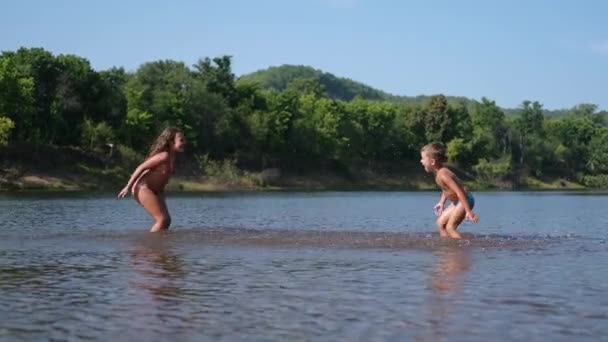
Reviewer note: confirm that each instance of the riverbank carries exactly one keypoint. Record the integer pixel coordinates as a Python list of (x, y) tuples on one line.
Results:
[(70, 169), (114, 179)]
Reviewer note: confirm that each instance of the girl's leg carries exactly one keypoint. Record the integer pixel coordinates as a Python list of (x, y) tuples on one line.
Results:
[(155, 206)]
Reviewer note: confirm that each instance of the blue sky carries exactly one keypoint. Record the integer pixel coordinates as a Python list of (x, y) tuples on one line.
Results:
[(555, 52)]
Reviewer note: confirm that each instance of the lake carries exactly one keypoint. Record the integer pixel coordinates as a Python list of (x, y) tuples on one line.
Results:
[(303, 266)]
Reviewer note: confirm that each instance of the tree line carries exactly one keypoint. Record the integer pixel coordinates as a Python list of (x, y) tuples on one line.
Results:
[(61, 100)]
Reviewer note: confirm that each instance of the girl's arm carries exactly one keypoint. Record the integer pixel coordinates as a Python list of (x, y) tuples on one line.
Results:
[(149, 163)]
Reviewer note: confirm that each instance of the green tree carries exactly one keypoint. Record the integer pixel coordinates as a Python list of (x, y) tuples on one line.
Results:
[(16, 99), (439, 123), (97, 135), (597, 161), (529, 129), (307, 86), (6, 125), (569, 138), (218, 77), (37, 125), (157, 96), (374, 129), (489, 138), (111, 104), (76, 88), (410, 129)]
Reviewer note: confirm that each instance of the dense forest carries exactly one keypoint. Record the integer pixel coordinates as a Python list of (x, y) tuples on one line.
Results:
[(288, 117)]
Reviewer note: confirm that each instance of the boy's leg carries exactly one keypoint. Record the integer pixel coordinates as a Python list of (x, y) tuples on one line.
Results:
[(442, 221), (455, 218)]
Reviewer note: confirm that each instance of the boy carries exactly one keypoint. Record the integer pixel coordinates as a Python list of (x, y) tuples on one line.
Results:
[(433, 159)]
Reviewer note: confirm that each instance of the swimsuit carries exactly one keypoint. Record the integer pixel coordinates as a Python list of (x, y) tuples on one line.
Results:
[(141, 182), (470, 199)]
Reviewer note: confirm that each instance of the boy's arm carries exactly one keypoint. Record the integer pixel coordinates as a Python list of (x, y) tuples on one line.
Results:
[(442, 199), (440, 205), (150, 163)]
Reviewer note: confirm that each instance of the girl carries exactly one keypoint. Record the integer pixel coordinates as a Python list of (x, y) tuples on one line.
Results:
[(150, 178)]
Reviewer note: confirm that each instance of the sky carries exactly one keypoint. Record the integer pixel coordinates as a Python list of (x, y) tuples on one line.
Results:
[(551, 51)]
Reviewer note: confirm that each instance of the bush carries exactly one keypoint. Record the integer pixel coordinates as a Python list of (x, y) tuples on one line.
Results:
[(459, 152), (223, 171), (96, 135), (598, 181), (227, 172), (6, 125), (128, 157), (493, 170)]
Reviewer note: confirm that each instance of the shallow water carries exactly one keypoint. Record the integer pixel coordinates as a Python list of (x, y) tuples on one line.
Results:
[(303, 266)]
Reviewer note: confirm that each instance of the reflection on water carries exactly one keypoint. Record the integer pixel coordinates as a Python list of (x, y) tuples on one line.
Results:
[(157, 269), (451, 265)]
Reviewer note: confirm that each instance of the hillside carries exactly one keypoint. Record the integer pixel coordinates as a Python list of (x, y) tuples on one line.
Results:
[(340, 88)]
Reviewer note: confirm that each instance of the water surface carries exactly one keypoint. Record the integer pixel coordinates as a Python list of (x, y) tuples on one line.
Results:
[(303, 266)]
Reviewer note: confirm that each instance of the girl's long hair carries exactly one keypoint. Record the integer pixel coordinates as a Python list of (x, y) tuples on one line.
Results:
[(164, 141)]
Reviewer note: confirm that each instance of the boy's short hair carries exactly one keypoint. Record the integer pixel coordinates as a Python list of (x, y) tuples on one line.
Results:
[(436, 151)]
